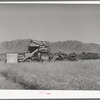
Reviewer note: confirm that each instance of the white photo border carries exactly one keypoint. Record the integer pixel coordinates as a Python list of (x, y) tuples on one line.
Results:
[(49, 94)]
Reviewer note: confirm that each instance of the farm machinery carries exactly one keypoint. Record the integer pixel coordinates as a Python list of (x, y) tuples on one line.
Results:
[(63, 57), (35, 53), (40, 53)]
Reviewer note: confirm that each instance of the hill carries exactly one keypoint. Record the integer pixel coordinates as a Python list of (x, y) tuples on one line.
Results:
[(21, 45), (74, 46)]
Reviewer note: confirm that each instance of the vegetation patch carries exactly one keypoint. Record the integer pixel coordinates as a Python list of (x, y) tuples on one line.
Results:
[(63, 75)]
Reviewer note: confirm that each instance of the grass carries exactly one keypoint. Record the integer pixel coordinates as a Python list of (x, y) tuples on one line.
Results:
[(80, 75), (6, 84)]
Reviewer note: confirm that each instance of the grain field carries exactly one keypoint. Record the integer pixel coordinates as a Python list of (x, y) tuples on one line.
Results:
[(64, 75)]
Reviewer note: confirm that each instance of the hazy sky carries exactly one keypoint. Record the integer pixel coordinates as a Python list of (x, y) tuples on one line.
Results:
[(50, 22)]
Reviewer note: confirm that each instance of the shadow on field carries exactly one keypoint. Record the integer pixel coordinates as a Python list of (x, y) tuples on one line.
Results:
[(22, 82)]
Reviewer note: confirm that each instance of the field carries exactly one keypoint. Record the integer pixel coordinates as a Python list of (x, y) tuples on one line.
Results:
[(64, 75)]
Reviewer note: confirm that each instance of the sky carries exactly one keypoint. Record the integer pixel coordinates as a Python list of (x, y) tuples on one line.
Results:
[(50, 22)]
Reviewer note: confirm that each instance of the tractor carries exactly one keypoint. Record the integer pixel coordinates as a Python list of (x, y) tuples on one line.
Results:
[(60, 56)]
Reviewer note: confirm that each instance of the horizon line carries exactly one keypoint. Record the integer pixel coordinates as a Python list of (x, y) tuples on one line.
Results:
[(47, 41)]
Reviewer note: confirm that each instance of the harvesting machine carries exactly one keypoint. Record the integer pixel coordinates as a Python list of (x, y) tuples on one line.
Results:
[(37, 52)]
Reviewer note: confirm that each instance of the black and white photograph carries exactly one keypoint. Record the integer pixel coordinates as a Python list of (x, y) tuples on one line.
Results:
[(49, 47)]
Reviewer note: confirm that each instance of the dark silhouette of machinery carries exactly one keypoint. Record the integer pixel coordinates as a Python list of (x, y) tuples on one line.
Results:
[(36, 52), (41, 52), (60, 56)]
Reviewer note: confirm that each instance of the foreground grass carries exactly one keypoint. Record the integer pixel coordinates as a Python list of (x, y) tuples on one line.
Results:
[(6, 84), (80, 75)]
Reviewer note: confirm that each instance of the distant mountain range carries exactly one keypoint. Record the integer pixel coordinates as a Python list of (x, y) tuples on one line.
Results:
[(21, 45)]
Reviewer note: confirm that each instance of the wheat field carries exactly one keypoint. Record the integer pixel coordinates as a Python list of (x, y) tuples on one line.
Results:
[(64, 75)]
